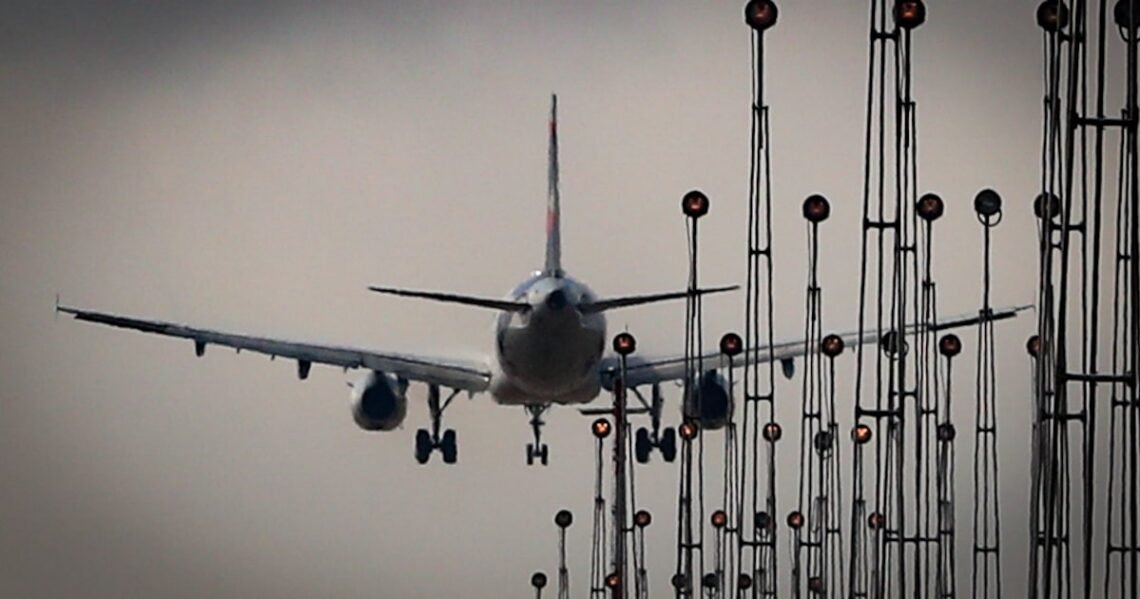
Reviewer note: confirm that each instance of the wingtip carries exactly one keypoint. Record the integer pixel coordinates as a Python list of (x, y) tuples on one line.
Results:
[(720, 289), (385, 290), (60, 308), (1014, 310), (66, 310)]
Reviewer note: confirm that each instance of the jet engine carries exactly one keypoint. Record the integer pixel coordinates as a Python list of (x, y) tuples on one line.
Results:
[(379, 401), (709, 402)]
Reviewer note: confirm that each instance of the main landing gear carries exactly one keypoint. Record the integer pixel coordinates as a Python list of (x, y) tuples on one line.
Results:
[(537, 450), (428, 441), (644, 440)]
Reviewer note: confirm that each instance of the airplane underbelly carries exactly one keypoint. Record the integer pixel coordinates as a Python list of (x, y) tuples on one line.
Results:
[(558, 364)]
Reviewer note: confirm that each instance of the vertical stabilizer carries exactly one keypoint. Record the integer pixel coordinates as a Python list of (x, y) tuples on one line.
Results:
[(553, 265)]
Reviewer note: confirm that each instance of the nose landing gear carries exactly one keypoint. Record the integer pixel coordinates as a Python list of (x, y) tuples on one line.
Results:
[(537, 450), (428, 441)]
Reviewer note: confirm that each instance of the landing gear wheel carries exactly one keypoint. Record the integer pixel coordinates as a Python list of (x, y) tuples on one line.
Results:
[(642, 445), (542, 452), (668, 444), (423, 446), (448, 447)]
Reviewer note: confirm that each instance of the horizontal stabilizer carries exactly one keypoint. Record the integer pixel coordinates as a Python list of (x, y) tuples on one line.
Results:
[(494, 304), (636, 300)]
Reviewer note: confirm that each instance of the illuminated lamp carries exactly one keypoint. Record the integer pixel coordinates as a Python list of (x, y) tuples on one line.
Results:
[(950, 345), (831, 346), (624, 344), (760, 14), (731, 344), (695, 204), (816, 208), (1052, 15), (930, 207), (909, 13)]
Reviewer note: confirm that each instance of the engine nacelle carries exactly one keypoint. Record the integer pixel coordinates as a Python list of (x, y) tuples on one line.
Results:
[(379, 401), (709, 402)]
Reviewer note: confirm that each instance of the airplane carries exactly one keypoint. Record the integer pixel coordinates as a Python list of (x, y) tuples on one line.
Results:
[(549, 345)]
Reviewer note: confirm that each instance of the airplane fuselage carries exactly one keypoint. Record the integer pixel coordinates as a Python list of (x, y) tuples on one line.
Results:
[(550, 353)]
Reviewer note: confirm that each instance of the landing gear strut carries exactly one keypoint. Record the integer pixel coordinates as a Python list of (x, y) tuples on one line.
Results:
[(428, 441), (645, 440), (538, 449)]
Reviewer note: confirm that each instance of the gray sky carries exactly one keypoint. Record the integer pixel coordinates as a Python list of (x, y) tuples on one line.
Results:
[(256, 167)]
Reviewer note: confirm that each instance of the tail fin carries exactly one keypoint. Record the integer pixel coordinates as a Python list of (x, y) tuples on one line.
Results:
[(553, 265)]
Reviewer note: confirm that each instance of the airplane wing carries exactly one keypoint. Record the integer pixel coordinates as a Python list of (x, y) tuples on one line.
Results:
[(647, 371), (470, 377)]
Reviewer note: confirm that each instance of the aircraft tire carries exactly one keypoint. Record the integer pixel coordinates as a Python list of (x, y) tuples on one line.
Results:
[(642, 446), (423, 446), (449, 447), (668, 444)]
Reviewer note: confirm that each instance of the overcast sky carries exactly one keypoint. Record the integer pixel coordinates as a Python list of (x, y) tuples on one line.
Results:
[(255, 167)]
